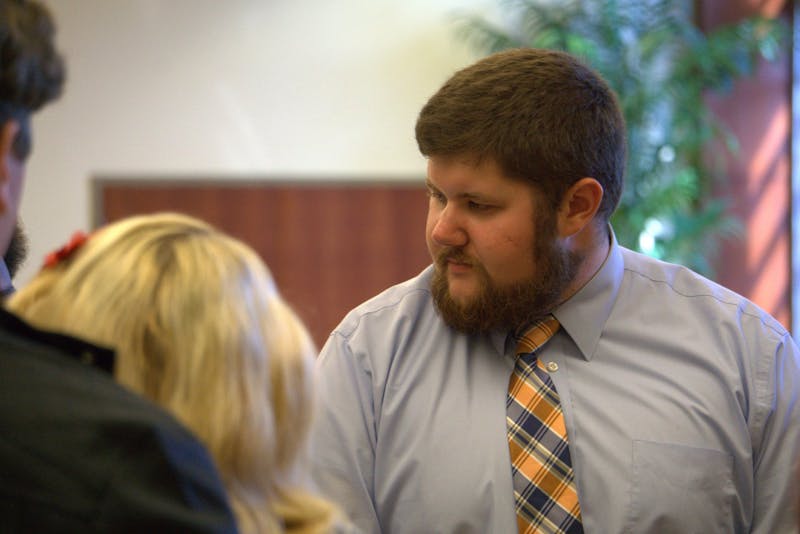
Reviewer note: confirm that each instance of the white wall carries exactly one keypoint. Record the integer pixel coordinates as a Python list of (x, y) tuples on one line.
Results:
[(272, 88)]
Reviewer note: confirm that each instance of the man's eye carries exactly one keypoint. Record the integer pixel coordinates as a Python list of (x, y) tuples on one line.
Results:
[(477, 206), (437, 196)]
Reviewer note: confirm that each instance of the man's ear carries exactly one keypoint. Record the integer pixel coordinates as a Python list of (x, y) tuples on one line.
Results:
[(8, 161), (8, 133), (579, 206)]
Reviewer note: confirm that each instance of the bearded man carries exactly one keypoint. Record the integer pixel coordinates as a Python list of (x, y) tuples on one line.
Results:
[(539, 377)]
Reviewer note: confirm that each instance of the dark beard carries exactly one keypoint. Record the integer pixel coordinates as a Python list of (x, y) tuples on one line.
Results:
[(514, 306), (17, 250)]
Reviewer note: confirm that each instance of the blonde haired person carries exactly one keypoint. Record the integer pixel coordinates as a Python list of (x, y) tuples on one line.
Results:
[(198, 327)]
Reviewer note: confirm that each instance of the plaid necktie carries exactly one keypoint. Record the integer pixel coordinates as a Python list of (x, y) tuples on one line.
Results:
[(544, 486)]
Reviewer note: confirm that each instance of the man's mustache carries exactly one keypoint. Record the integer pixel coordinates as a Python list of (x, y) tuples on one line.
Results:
[(454, 254)]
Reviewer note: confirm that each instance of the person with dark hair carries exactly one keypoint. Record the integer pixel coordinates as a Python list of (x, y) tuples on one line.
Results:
[(32, 75), (538, 376), (78, 451)]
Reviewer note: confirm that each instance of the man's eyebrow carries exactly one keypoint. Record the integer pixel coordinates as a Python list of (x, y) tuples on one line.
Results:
[(429, 185), (466, 195)]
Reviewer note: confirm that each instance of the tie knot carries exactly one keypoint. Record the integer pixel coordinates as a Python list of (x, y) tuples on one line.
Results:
[(537, 335)]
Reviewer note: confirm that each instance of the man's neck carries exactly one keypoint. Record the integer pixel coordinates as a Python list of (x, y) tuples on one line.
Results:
[(595, 245)]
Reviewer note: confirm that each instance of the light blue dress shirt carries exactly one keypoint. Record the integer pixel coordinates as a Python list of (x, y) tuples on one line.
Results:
[(680, 399)]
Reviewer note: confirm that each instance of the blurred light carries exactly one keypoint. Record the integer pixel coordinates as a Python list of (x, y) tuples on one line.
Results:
[(654, 229), (666, 154)]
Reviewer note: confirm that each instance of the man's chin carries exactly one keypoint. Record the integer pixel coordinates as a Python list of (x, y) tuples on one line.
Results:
[(461, 299)]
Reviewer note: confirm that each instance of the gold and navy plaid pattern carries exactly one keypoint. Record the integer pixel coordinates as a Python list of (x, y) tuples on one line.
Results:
[(544, 486)]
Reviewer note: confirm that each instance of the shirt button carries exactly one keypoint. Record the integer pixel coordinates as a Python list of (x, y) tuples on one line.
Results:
[(552, 367)]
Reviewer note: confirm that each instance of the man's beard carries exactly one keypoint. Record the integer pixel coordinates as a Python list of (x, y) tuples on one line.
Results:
[(17, 250), (511, 306)]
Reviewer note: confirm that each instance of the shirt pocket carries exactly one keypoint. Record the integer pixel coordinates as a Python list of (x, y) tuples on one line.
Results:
[(680, 489)]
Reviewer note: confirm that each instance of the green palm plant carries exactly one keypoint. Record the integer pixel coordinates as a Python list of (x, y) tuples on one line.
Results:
[(661, 65)]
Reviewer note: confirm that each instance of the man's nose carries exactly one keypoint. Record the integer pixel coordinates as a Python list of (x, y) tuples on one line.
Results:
[(448, 229)]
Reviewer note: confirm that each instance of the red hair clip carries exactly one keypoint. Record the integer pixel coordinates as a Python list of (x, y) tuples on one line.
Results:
[(76, 241)]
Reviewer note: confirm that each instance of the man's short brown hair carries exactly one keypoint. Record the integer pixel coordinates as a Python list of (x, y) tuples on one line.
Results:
[(542, 115)]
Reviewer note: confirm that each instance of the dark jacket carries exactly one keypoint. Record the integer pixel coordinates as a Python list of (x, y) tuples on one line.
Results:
[(80, 453)]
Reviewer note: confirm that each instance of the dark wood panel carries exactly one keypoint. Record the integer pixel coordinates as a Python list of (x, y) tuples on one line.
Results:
[(758, 111), (329, 245)]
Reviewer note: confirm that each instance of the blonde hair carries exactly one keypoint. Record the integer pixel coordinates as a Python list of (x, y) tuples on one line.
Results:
[(200, 328)]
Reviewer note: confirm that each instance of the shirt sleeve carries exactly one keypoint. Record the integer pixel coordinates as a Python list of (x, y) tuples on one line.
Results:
[(776, 446), (344, 433)]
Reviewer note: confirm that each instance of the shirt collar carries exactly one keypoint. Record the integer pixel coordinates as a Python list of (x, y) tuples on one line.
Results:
[(6, 285), (77, 349), (584, 315)]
